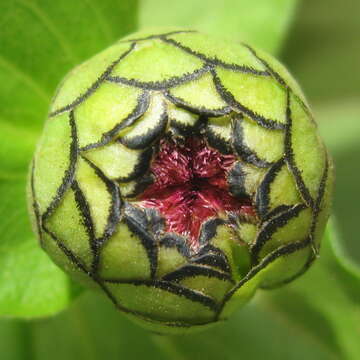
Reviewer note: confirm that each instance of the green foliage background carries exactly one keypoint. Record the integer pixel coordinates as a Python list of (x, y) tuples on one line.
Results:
[(44, 315)]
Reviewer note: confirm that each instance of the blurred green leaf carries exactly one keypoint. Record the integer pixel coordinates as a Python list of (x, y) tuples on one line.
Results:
[(15, 340), (255, 332), (322, 49), (339, 124), (340, 128), (341, 255), (40, 41), (263, 22), (90, 329)]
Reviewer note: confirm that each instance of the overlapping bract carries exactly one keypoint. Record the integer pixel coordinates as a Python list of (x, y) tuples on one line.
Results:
[(93, 162)]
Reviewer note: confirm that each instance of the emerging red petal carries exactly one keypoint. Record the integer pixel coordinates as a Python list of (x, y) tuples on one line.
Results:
[(190, 187)]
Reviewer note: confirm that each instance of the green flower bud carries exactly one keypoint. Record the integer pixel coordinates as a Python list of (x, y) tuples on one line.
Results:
[(178, 173)]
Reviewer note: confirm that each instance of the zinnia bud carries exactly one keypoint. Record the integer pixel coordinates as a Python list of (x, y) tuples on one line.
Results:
[(179, 173)]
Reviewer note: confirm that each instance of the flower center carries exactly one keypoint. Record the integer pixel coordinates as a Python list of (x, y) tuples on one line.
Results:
[(191, 186)]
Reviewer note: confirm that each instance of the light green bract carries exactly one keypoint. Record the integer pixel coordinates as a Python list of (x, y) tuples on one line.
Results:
[(178, 173)]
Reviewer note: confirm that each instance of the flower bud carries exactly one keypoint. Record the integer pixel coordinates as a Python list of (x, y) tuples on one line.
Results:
[(178, 173)]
